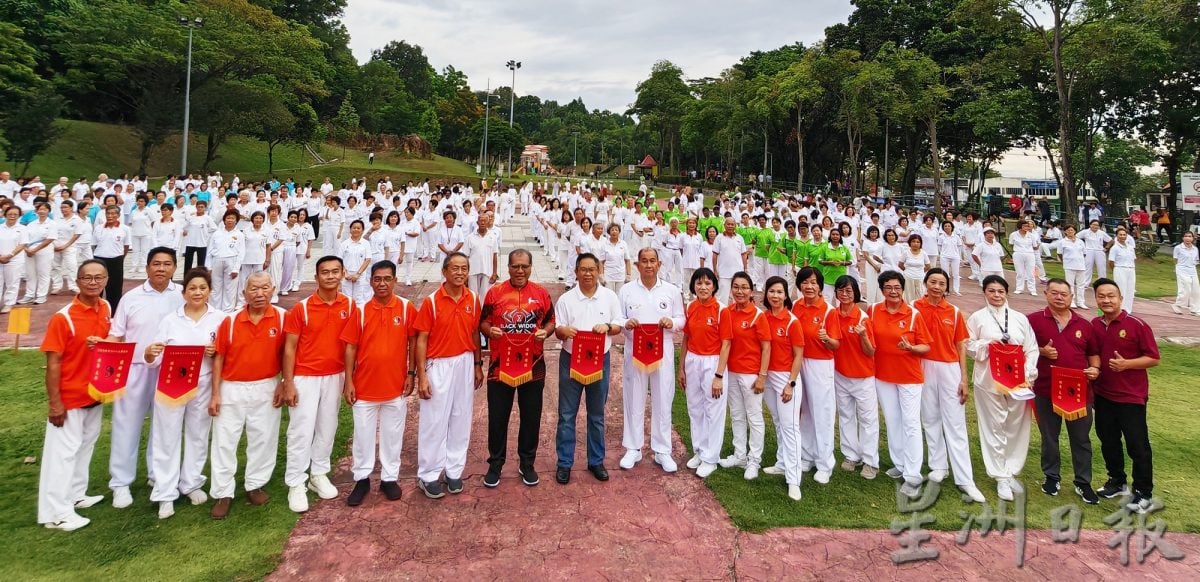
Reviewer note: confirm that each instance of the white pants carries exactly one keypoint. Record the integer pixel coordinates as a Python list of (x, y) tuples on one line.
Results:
[(686, 282), (10, 280), (244, 405), (1126, 278), (225, 291), (975, 269), (817, 413), (180, 431), (723, 289), (914, 289), (479, 284), (1187, 289), (287, 271), (705, 413), (275, 270), (661, 383), (1077, 278), (329, 239), (37, 274), (409, 259), (901, 404), (1096, 265), (358, 291), (788, 425), (312, 423), (745, 417), (128, 415), (66, 263), (871, 293), (945, 421), (387, 420), (1003, 432), (757, 270), (66, 461), (951, 266), (298, 265), (1023, 263), (858, 419), (444, 430)]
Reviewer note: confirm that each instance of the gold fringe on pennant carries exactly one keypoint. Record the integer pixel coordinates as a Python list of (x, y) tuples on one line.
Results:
[(587, 378), (105, 397), (516, 381), (1073, 415), (181, 400), (646, 368)]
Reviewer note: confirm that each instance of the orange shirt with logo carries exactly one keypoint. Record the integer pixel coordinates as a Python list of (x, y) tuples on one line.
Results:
[(786, 334), (891, 363), (849, 359), (947, 327), (255, 351), (320, 350), (812, 319), (703, 327), (381, 334), (747, 329), (66, 335), (456, 323)]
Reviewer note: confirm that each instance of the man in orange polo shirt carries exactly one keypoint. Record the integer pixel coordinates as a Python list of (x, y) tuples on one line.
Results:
[(379, 375), (447, 350), (245, 378), (314, 372), (73, 422)]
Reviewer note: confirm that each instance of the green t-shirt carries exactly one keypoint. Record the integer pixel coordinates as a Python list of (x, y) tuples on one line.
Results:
[(747, 233), (828, 253), (800, 250), (764, 239), (781, 251)]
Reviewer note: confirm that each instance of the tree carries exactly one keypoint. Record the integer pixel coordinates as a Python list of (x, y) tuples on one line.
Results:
[(409, 61), (662, 101), (799, 86), (345, 125), (28, 130), (917, 100), (864, 93)]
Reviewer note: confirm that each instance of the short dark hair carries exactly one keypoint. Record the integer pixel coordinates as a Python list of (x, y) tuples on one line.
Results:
[(197, 273), (848, 281), (583, 256), (518, 252), (327, 258), (1098, 283), (806, 272), (449, 257), (742, 275), (988, 280), (890, 275), (703, 273), (384, 264), (777, 280), (163, 251), (88, 262), (1057, 281), (936, 271)]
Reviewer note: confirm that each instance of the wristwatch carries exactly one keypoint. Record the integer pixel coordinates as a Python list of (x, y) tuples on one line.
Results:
[(792, 384)]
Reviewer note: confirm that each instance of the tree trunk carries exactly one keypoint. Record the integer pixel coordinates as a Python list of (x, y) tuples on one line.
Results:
[(1066, 185), (936, 164), (271, 155), (912, 161), (210, 151), (144, 156)]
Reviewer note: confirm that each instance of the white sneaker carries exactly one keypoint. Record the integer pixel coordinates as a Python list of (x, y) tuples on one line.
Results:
[(910, 491), (166, 509), (973, 493), (320, 485), (805, 466), (705, 470), (694, 462), (732, 461), (666, 462), (822, 477), (894, 473), (122, 498), (751, 472), (298, 499), (775, 469), (88, 501), (1177, 309), (197, 497), (938, 476), (1004, 490), (1033, 293), (71, 522), (794, 492), (630, 459)]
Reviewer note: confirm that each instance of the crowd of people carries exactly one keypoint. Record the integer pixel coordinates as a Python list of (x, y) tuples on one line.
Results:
[(826, 311)]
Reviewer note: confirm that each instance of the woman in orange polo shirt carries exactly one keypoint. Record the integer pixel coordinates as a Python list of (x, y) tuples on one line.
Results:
[(704, 351), (745, 327), (943, 413), (822, 336), (783, 371), (854, 382), (901, 341)]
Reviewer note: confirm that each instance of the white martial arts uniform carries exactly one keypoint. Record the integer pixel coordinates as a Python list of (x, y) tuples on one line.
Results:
[(1124, 260), (1003, 421), (648, 306)]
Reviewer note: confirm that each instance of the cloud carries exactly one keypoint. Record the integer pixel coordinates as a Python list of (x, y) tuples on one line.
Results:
[(595, 50)]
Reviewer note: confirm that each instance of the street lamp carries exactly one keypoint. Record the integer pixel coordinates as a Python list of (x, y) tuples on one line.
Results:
[(512, 99), (487, 111), (575, 152), (190, 24)]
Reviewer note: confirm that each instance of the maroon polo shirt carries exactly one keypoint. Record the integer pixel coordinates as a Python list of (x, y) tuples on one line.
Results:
[(1074, 342), (1133, 338)]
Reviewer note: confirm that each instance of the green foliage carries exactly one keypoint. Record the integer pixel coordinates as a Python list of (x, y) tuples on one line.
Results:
[(28, 129)]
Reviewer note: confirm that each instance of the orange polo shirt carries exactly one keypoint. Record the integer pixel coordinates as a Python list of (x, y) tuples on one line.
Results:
[(456, 323), (891, 363), (812, 319), (381, 333), (747, 329), (319, 325), (786, 334), (255, 351), (947, 327), (703, 327), (849, 360), (66, 335)]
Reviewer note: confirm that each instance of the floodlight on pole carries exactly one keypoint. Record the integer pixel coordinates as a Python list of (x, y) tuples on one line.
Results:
[(191, 24), (487, 112), (575, 152), (512, 100)]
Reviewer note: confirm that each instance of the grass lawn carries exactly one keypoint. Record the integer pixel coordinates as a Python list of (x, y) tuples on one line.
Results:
[(849, 501), (1155, 276), (128, 544)]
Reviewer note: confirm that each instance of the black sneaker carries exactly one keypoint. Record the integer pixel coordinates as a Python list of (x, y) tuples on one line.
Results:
[(431, 489), (1089, 496), (1051, 486), (492, 478), (528, 475), (1139, 503), (360, 491), (390, 489), (1112, 489), (562, 475), (454, 486)]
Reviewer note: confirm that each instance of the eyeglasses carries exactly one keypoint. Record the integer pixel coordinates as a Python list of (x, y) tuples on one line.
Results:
[(520, 267), (93, 278), (893, 288)]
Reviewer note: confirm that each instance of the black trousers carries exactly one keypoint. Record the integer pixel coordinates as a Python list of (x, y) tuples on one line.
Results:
[(315, 221), (190, 253), (1115, 420), (500, 402), (116, 279), (1164, 233), (1079, 435)]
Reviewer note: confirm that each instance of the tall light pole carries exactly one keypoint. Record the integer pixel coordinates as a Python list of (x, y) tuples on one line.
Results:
[(512, 100), (487, 111), (191, 24), (575, 153)]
